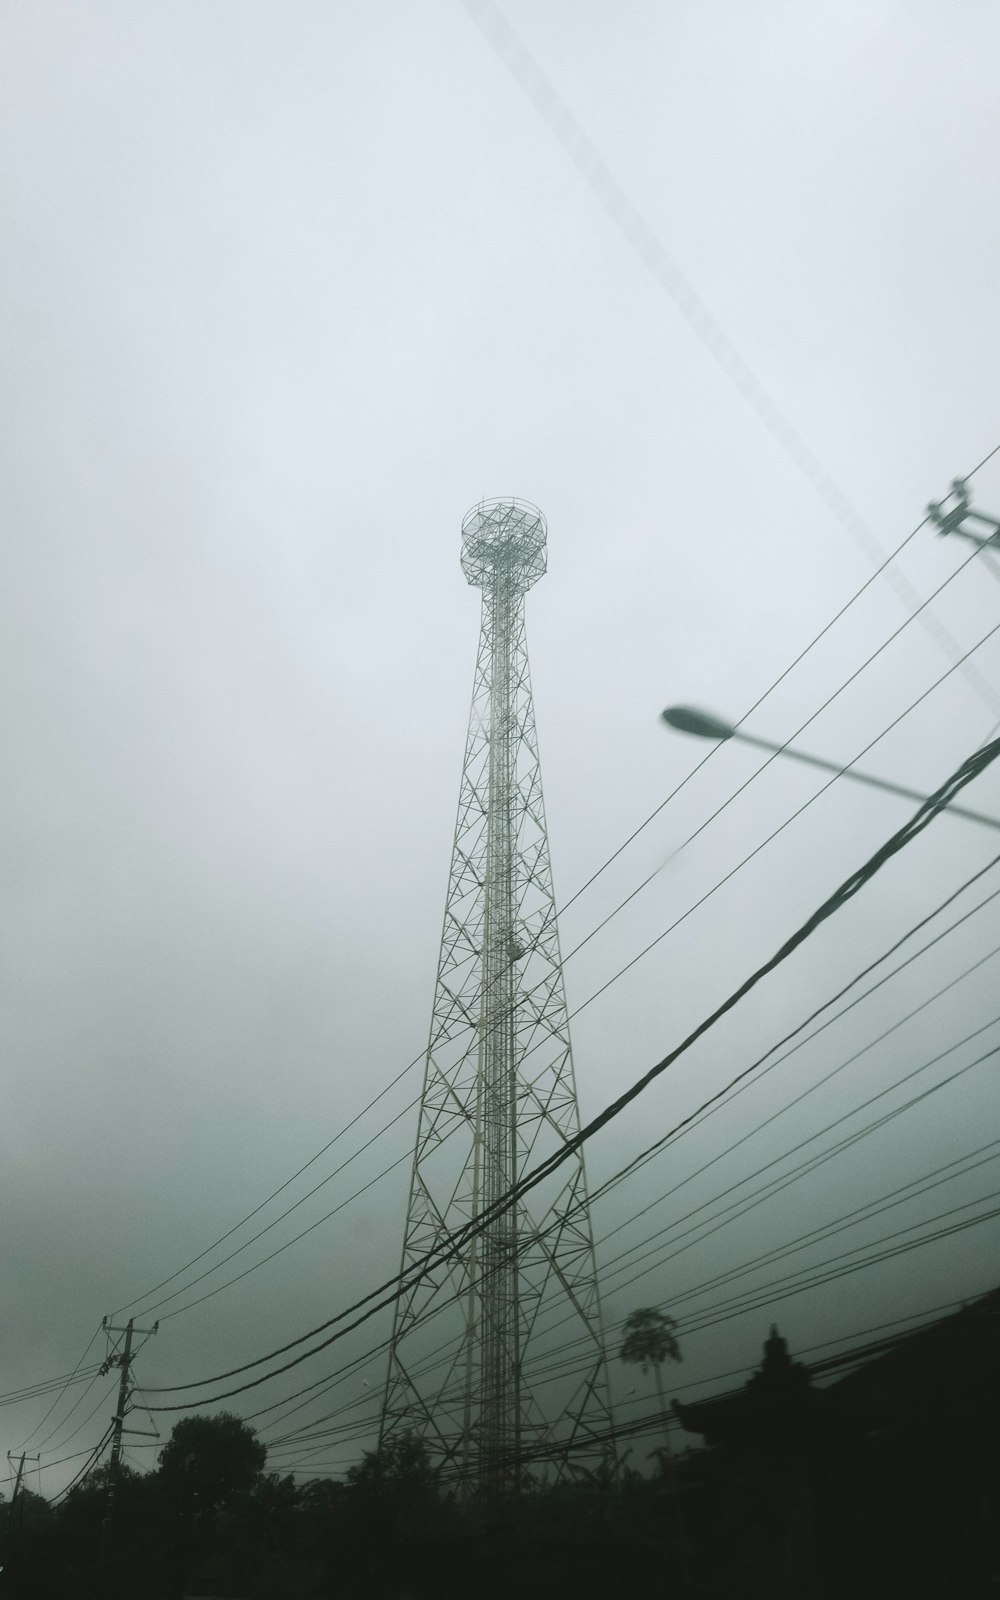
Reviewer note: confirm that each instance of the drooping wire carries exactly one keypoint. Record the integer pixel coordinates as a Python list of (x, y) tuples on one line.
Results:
[(66, 1384), (957, 1168), (87, 1469), (329, 1380), (602, 989), (661, 1145), (403, 1282), (77, 1403), (626, 216), (573, 898)]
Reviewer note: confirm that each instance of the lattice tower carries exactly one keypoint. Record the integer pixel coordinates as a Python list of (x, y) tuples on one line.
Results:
[(468, 1366)]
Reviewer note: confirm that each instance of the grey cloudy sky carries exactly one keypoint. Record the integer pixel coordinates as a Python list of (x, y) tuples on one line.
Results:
[(286, 289)]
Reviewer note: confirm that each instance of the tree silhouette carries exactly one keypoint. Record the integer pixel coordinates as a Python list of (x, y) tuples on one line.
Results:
[(650, 1340), (208, 1460)]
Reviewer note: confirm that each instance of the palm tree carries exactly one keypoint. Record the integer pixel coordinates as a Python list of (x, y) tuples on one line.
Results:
[(650, 1339)]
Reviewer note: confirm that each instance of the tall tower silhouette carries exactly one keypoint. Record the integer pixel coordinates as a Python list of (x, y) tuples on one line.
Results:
[(497, 1358)]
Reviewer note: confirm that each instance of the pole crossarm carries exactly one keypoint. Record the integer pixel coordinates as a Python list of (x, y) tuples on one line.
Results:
[(123, 1360), (955, 511)]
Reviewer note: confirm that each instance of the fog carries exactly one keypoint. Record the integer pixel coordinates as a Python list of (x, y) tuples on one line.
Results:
[(286, 290)]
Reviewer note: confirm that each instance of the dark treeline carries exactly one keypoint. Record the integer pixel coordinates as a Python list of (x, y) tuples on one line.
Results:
[(884, 1483)]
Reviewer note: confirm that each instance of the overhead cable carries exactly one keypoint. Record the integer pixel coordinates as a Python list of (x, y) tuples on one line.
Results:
[(965, 774), (626, 216)]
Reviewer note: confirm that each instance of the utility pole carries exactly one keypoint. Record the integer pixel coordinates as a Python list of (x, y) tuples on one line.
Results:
[(123, 1360), (955, 510), (17, 1480), (18, 1490)]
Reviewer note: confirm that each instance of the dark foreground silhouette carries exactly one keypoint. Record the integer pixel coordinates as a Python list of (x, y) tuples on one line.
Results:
[(811, 1485)]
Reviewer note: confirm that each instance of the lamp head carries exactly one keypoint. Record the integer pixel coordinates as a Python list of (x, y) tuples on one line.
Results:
[(688, 719)]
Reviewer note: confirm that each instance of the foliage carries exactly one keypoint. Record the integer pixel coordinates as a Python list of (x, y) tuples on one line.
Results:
[(209, 1460), (394, 1487), (401, 1464), (650, 1339), (29, 1510)]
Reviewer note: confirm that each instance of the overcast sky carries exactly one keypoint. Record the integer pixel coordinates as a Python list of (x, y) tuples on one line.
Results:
[(286, 290)]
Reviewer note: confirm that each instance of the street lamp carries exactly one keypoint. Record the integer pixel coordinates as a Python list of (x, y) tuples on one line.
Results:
[(688, 719)]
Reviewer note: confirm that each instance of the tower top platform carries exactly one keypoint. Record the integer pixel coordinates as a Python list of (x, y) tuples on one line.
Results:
[(504, 540)]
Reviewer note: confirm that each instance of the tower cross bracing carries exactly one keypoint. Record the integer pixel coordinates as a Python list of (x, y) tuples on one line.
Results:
[(467, 1362)]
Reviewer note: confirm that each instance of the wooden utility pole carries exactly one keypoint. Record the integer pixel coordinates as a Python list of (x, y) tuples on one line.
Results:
[(123, 1360), (17, 1480)]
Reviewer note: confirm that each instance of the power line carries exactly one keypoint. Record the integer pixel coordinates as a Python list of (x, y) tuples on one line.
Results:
[(784, 1291), (573, 898), (965, 774), (736, 1086), (556, 1368), (661, 1145), (45, 1386), (658, 1148), (76, 1404), (207, 1251), (738, 1209), (625, 214), (70, 1379), (948, 1172), (737, 1212), (653, 943), (780, 829), (765, 764), (303, 1445), (790, 1104), (289, 1242), (102, 1402), (87, 1469), (281, 1187), (844, 1263)]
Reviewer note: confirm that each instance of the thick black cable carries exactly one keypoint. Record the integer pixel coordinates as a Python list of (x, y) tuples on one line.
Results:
[(926, 813), (850, 1357), (965, 774), (962, 1165), (950, 1171), (653, 943), (739, 1209), (805, 1093), (331, 1380), (326, 1217), (660, 1146), (586, 885), (85, 1471)]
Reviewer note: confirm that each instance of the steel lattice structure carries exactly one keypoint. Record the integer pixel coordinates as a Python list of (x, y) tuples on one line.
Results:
[(468, 1346)]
